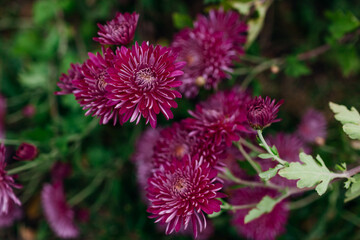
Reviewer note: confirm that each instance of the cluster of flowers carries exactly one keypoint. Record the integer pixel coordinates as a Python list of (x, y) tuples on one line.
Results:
[(179, 167)]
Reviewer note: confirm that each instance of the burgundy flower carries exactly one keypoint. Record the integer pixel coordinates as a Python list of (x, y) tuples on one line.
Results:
[(227, 22), (29, 111), (289, 146), (66, 80), (119, 31), (60, 171), (263, 112), (91, 93), (14, 213), (26, 152), (312, 127), (144, 150), (142, 82), (58, 213), (208, 55), (222, 117), (267, 226), (182, 192), (7, 196)]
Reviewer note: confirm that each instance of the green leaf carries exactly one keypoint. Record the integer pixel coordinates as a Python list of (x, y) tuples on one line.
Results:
[(182, 20), (295, 68), (265, 155), (354, 190), (310, 173), (349, 118), (274, 150), (341, 23), (347, 58), (266, 205), (36, 76), (267, 175), (242, 7)]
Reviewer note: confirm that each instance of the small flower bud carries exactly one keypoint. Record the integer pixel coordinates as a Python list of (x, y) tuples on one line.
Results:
[(26, 152)]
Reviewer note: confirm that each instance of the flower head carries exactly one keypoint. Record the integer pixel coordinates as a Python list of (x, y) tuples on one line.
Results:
[(119, 31), (208, 55), (263, 112), (312, 127), (26, 152), (222, 117), (266, 227), (58, 213), (90, 92), (227, 22), (182, 192), (66, 80), (7, 196), (142, 82)]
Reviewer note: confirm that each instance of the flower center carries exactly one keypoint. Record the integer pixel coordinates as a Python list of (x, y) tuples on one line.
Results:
[(180, 185), (101, 83), (121, 28), (145, 77), (180, 151)]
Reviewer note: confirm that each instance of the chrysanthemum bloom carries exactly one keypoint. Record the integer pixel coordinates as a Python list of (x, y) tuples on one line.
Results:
[(222, 117), (26, 152), (7, 196), (144, 150), (14, 213), (227, 22), (182, 192), (263, 112), (60, 171), (66, 80), (266, 227), (90, 92), (312, 127), (58, 213), (119, 31), (209, 57), (142, 82), (289, 146)]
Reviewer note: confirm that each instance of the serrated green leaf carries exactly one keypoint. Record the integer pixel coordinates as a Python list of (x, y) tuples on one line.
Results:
[(265, 155), (296, 68), (349, 118), (242, 7), (182, 20), (354, 190), (267, 175), (266, 205), (310, 173), (274, 150), (341, 23)]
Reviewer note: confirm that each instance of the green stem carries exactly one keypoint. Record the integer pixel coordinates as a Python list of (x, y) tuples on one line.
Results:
[(250, 146), (304, 201), (23, 167), (87, 191), (247, 157), (267, 148)]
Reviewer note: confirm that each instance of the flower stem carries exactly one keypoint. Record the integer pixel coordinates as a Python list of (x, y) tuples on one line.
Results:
[(267, 148), (247, 157), (23, 167)]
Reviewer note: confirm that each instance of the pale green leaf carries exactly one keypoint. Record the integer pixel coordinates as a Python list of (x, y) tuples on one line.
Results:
[(242, 7), (354, 190), (265, 155), (267, 175), (352, 130), (266, 205), (349, 118), (310, 173)]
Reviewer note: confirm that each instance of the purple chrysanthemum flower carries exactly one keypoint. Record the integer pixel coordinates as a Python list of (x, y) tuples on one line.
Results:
[(182, 192), (58, 213), (289, 146), (227, 22), (119, 31), (7, 195), (142, 82), (26, 152), (66, 80), (263, 112), (208, 55), (14, 213), (266, 227), (312, 127), (222, 117), (142, 158), (91, 93)]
